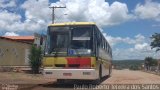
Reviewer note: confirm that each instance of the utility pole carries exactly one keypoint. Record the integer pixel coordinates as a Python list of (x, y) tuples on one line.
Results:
[(53, 11)]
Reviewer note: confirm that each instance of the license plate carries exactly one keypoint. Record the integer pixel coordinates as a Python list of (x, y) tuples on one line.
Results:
[(67, 74), (86, 73), (48, 72)]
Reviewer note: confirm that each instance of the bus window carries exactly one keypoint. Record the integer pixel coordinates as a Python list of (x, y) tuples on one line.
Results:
[(81, 39), (58, 40), (105, 46)]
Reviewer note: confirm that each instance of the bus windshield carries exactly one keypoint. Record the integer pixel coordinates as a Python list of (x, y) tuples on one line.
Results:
[(69, 40), (81, 40)]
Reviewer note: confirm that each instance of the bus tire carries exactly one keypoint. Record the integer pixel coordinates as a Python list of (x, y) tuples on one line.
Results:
[(100, 72), (98, 81), (109, 72), (60, 80)]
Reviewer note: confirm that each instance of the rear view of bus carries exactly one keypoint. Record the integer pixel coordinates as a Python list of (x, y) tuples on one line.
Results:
[(76, 50)]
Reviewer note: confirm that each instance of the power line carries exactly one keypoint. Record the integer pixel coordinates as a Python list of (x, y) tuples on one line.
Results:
[(53, 11)]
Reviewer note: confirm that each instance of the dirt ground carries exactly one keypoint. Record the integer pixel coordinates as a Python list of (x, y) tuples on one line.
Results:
[(22, 78), (21, 81), (117, 77), (132, 77), (41, 83)]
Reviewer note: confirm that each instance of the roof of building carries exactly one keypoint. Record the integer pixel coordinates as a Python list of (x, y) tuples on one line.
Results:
[(23, 39), (20, 37), (72, 23)]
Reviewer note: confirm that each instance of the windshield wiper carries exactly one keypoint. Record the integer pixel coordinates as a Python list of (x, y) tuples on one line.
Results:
[(60, 51), (55, 52)]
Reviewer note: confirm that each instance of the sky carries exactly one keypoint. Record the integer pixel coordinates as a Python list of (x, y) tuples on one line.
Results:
[(126, 24)]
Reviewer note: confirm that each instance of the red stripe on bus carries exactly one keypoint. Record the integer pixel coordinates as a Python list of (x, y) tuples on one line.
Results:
[(79, 60), (72, 61)]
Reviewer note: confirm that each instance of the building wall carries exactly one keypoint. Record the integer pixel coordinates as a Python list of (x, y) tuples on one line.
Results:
[(13, 53)]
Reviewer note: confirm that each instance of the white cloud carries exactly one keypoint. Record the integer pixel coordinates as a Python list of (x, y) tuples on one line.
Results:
[(97, 11), (113, 40), (150, 10), (137, 47), (132, 53), (38, 14), (12, 22), (36, 18), (141, 46), (116, 40), (11, 34), (37, 10), (10, 3), (8, 20), (156, 25)]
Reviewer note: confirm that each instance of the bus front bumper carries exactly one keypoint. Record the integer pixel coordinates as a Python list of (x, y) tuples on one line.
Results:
[(86, 74)]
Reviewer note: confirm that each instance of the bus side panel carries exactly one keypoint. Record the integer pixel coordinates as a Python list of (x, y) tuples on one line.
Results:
[(101, 48), (105, 61)]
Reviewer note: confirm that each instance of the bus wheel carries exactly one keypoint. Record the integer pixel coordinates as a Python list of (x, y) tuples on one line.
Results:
[(60, 80), (98, 81), (110, 71), (100, 72)]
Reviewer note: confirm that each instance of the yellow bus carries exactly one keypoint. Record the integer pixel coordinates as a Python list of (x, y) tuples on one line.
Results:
[(76, 50)]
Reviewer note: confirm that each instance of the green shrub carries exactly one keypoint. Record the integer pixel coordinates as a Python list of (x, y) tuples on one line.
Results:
[(35, 59)]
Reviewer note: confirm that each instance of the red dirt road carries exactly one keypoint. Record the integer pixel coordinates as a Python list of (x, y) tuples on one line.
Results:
[(132, 77), (118, 77), (38, 82)]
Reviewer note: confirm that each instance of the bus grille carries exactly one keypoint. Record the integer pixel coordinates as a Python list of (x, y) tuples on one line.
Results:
[(60, 65), (74, 65)]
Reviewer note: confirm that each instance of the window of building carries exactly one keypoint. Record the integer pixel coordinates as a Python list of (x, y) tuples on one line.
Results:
[(1, 52)]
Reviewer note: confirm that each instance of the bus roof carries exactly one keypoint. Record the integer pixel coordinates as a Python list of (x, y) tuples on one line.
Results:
[(72, 23)]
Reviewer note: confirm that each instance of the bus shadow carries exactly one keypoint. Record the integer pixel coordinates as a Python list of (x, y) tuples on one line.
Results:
[(74, 83)]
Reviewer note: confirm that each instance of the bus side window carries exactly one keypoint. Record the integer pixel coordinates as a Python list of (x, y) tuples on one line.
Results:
[(106, 47), (96, 40), (109, 51), (104, 44), (101, 42)]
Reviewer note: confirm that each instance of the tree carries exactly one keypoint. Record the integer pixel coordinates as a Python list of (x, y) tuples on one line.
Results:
[(149, 61), (35, 59), (155, 41)]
